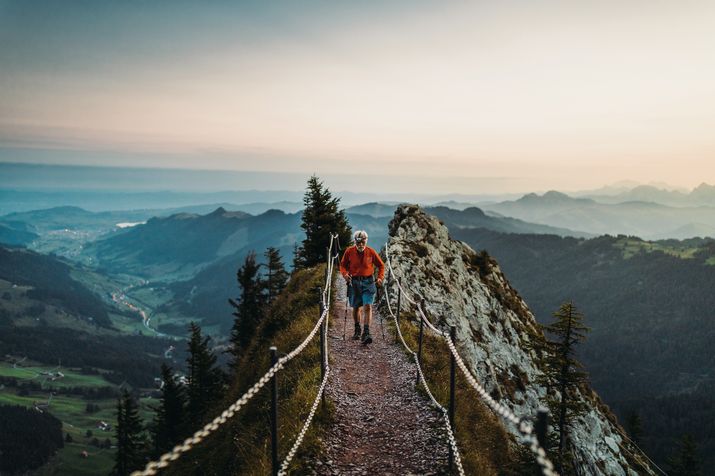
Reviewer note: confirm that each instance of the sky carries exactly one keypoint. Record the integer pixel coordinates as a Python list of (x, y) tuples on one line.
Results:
[(465, 97)]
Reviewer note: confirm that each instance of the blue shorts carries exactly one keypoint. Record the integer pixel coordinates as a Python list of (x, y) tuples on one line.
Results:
[(361, 292)]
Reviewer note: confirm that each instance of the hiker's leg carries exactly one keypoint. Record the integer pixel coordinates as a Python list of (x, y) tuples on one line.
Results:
[(356, 318), (367, 313)]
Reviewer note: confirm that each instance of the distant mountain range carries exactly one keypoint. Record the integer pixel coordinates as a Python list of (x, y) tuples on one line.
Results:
[(180, 245), (474, 217), (702, 195), (644, 219)]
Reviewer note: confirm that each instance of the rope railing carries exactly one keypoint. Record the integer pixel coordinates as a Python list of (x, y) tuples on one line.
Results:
[(301, 435), (525, 428), (440, 407), (167, 458), (622, 433)]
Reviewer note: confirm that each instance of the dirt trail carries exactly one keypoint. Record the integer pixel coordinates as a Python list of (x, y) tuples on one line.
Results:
[(382, 425)]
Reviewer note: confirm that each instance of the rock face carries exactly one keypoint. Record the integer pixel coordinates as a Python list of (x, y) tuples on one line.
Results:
[(494, 328)]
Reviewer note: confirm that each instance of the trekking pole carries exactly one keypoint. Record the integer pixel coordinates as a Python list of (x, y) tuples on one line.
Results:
[(382, 319), (345, 321)]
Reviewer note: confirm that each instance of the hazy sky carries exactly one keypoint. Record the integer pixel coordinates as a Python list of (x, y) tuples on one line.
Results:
[(470, 96)]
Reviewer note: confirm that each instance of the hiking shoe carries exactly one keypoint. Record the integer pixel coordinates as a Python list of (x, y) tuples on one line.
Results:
[(356, 336), (366, 338)]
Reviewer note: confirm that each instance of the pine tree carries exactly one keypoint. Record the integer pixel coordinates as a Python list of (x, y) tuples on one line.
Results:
[(634, 426), (563, 373), (296, 256), (321, 218), (276, 274), (685, 462), (169, 420), (205, 379), (248, 311), (130, 436)]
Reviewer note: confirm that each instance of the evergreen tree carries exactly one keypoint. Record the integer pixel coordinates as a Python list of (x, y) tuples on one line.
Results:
[(276, 274), (205, 379), (634, 426), (296, 256), (130, 436), (685, 462), (563, 373), (248, 311), (169, 421), (321, 218)]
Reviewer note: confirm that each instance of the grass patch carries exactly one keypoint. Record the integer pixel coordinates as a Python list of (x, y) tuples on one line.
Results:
[(633, 246), (485, 446), (72, 378), (242, 445), (69, 461), (76, 421)]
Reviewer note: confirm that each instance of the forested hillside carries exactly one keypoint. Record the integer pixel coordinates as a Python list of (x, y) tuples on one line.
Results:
[(649, 305), (51, 283)]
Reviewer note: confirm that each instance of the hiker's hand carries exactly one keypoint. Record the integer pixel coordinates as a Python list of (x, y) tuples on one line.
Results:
[(348, 280), (379, 282)]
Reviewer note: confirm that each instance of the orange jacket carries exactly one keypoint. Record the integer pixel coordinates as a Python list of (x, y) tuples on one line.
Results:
[(362, 264)]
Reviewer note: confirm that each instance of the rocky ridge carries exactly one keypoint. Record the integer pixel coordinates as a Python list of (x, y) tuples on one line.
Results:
[(494, 329)]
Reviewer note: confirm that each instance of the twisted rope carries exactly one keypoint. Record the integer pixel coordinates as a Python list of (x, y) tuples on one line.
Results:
[(286, 462), (525, 428), (423, 381), (153, 466)]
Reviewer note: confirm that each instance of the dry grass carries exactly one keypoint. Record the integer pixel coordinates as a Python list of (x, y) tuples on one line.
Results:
[(242, 446), (485, 446)]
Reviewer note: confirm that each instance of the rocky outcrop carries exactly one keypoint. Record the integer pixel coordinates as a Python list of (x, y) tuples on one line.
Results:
[(494, 329)]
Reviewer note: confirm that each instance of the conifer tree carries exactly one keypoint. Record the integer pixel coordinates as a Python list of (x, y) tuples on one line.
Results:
[(276, 274), (130, 437), (169, 420), (296, 256), (634, 426), (205, 379), (685, 462), (563, 373), (321, 218), (248, 310)]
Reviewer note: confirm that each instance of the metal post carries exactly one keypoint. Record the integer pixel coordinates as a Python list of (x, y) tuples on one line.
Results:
[(452, 378), (397, 315), (540, 428), (322, 337), (419, 344), (327, 263), (542, 423), (323, 344), (274, 413)]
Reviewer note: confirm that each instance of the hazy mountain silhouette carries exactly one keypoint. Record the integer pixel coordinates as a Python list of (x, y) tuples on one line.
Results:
[(702, 195), (645, 219)]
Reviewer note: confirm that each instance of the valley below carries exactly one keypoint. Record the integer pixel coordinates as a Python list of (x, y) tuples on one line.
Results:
[(104, 304)]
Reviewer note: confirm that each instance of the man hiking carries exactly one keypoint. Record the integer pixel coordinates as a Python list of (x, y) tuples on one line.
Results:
[(358, 267)]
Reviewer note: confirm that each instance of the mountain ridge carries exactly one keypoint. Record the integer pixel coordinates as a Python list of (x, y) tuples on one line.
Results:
[(494, 325)]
